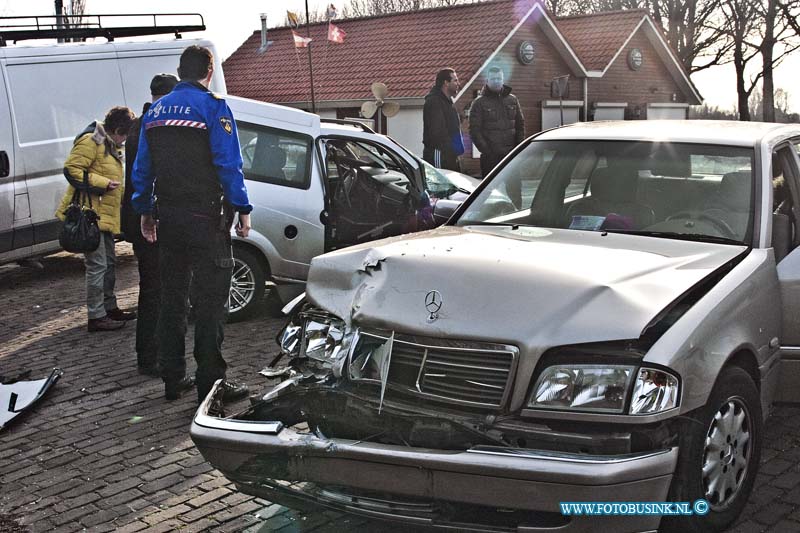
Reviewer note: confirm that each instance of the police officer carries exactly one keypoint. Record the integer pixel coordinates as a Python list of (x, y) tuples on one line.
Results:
[(189, 142)]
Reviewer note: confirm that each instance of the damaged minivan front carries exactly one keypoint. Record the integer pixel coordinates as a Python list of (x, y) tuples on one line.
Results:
[(571, 343)]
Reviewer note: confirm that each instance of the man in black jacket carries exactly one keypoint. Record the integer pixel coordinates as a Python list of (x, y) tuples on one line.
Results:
[(441, 127), (496, 124), (146, 253)]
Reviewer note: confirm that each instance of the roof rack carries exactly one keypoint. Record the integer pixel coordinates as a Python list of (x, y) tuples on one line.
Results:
[(80, 27), (348, 122)]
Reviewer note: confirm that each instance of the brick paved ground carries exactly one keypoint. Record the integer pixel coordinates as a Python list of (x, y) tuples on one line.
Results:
[(104, 452)]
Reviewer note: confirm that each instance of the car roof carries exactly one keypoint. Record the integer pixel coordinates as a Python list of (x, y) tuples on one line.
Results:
[(718, 132)]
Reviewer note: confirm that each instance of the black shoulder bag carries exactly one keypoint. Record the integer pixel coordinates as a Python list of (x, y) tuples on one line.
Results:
[(80, 232)]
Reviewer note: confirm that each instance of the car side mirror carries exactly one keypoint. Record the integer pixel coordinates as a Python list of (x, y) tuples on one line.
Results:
[(443, 210), (325, 218)]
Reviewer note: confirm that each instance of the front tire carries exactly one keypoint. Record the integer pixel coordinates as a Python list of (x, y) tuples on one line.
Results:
[(720, 448), (247, 285)]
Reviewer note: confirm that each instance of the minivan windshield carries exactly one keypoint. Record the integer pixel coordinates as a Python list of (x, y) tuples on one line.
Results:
[(661, 189)]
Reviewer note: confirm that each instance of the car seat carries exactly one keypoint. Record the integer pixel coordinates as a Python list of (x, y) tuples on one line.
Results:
[(613, 190), (268, 159), (731, 203)]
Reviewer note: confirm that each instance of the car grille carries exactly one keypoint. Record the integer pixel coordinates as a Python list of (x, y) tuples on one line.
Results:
[(469, 373)]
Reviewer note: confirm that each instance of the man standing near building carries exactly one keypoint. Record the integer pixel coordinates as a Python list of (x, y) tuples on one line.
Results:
[(496, 124), (146, 253), (189, 142), (441, 127)]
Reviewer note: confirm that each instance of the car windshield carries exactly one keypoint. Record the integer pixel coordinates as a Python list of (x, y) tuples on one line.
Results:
[(661, 189), (442, 184)]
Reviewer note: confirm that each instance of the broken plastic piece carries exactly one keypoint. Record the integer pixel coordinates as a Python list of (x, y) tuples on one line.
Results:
[(17, 396)]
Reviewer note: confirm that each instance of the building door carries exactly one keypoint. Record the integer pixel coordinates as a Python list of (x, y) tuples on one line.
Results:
[(667, 111), (553, 111)]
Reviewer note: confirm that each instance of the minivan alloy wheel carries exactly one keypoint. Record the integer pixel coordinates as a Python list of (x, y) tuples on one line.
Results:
[(727, 453), (243, 286)]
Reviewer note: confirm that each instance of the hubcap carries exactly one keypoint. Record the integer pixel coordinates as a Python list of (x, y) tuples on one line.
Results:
[(243, 286), (727, 453)]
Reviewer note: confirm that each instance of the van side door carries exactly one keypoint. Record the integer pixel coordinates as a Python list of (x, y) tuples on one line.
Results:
[(16, 232)]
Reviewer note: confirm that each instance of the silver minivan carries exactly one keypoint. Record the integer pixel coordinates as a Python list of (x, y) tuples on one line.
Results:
[(616, 330), (318, 185)]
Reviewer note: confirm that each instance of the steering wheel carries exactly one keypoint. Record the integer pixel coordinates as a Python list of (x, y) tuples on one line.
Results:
[(721, 225)]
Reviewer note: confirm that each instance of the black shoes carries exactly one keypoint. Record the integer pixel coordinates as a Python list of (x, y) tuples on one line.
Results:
[(120, 315), (233, 391), (103, 324), (173, 390)]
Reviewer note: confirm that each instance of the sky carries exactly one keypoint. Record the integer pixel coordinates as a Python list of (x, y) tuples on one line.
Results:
[(229, 23)]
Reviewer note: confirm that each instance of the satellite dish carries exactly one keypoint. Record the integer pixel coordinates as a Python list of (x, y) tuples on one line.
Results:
[(389, 109)]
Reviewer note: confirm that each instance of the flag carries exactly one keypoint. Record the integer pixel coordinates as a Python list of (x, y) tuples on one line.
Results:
[(335, 34), (294, 20), (300, 41), (330, 13)]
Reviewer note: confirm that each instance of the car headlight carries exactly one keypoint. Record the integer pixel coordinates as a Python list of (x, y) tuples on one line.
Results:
[(315, 335), (654, 391), (322, 337), (599, 388)]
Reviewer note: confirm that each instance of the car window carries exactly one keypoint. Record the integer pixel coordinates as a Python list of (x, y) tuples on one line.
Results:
[(671, 189), (276, 156)]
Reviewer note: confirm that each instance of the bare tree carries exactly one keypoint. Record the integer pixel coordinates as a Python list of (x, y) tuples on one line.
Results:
[(778, 39), (740, 22), (367, 8)]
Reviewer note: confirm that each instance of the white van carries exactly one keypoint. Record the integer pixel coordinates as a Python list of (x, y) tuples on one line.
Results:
[(49, 93)]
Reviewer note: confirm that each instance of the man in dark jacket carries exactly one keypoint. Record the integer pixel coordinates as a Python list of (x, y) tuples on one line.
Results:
[(441, 127), (190, 143), (496, 124), (146, 253)]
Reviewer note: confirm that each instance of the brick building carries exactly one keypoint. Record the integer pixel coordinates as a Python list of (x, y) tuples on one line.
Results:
[(618, 63)]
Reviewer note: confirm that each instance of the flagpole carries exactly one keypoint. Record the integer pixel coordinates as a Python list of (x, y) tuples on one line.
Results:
[(310, 67)]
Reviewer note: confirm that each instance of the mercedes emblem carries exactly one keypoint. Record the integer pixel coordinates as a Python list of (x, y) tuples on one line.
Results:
[(433, 303)]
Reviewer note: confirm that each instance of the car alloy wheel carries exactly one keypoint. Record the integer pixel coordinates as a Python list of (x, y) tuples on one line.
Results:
[(720, 447), (247, 284), (243, 286), (727, 453)]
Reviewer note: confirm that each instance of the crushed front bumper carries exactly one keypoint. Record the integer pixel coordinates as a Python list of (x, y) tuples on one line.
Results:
[(427, 486)]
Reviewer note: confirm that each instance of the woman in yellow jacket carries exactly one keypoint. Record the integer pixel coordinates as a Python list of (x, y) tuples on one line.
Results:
[(98, 151)]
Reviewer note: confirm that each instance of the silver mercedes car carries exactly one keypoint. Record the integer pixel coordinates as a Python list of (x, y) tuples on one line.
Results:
[(607, 318)]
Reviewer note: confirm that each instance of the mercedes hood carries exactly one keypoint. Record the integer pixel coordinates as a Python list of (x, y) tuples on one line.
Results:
[(529, 286)]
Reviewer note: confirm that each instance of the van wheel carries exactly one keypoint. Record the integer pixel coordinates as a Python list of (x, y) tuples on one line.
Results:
[(247, 285), (720, 448)]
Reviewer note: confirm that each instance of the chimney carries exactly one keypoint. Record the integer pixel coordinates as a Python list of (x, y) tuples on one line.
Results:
[(264, 42)]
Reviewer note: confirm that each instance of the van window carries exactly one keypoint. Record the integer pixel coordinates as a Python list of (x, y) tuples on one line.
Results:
[(275, 156)]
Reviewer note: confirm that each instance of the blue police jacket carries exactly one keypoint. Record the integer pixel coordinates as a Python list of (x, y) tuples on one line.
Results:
[(189, 154)]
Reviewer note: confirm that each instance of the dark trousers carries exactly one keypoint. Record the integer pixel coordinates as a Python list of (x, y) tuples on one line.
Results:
[(149, 303), (488, 162), (441, 159), (195, 250)]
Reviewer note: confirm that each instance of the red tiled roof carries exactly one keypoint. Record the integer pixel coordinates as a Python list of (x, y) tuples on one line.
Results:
[(403, 50), (597, 38)]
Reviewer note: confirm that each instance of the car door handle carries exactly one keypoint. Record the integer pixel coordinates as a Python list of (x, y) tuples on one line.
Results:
[(5, 166)]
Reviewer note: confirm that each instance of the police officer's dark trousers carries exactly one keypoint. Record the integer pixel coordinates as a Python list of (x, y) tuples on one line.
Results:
[(191, 246)]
